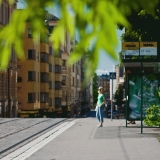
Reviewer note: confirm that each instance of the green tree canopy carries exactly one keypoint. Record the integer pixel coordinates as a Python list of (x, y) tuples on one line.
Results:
[(95, 22), (95, 88), (145, 27)]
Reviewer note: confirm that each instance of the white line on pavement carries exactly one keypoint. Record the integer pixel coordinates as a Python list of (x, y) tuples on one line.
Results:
[(30, 148)]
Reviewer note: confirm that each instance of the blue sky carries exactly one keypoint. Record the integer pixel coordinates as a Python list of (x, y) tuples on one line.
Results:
[(106, 63)]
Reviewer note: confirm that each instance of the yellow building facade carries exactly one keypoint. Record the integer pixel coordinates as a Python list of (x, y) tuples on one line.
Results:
[(39, 79)]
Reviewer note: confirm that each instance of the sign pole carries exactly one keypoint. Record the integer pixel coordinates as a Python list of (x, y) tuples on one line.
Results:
[(112, 99), (112, 76), (141, 100)]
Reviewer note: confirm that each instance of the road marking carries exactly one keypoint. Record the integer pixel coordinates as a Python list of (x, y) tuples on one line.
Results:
[(30, 148)]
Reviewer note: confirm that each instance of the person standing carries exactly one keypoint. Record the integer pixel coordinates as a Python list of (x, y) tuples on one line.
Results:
[(100, 106)]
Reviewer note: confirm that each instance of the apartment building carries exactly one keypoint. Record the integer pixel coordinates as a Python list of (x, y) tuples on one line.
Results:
[(8, 77), (39, 78), (119, 75), (71, 75), (104, 81)]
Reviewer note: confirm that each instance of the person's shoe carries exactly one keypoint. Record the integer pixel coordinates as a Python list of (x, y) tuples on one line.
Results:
[(99, 126)]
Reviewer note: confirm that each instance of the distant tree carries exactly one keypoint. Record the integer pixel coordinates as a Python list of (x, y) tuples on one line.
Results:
[(118, 97), (95, 88)]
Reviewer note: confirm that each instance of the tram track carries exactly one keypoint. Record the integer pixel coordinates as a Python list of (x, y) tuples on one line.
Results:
[(26, 139), (16, 130), (6, 120)]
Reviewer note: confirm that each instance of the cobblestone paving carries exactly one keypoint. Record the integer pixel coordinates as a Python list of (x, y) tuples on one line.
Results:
[(18, 130)]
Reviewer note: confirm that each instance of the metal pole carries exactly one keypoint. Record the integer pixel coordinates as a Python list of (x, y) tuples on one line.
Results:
[(127, 97), (141, 100), (112, 98), (9, 109)]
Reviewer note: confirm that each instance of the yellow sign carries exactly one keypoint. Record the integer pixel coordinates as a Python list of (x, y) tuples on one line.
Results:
[(130, 45), (148, 44)]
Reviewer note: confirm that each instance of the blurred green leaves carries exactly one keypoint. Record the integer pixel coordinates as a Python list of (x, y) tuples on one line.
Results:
[(152, 116), (94, 21)]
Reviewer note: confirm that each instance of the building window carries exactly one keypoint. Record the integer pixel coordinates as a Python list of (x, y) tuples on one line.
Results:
[(57, 69), (58, 53), (50, 101), (73, 68), (50, 50), (19, 79), (2, 14), (29, 34), (31, 76), (57, 85), (13, 55), (121, 72), (63, 64), (3, 84), (31, 97), (44, 38), (57, 102), (44, 57), (63, 80), (31, 54), (44, 77), (77, 70), (50, 67), (44, 97), (50, 84), (73, 81), (6, 15)]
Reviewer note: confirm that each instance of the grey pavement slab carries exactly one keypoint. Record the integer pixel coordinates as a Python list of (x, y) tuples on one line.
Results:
[(114, 141)]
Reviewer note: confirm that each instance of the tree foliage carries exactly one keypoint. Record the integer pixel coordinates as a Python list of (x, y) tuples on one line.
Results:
[(95, 88), (152, 116), (145, 27), (95, 23)]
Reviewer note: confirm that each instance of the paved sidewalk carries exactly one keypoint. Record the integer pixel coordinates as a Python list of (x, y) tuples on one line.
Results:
[(85, 141)]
